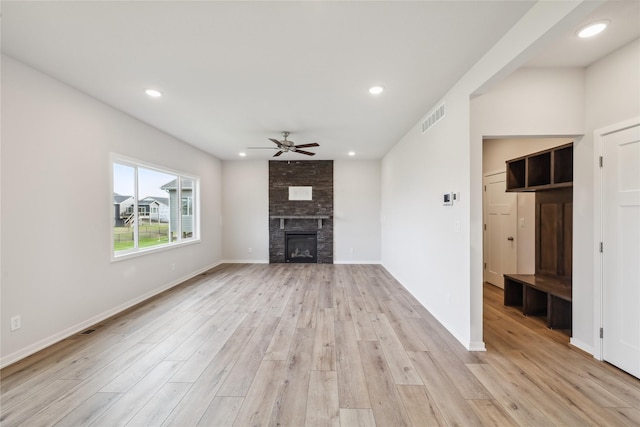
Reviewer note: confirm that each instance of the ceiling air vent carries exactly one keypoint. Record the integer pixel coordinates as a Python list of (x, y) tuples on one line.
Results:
[(433, 118)]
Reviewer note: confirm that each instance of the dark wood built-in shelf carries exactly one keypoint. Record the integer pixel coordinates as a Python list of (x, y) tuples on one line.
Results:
[(547, 169), (563, 165), (540, 294), (539, 170), (547, 292), (516, 174)]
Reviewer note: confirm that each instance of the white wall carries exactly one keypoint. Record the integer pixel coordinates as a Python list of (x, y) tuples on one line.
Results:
[(245, 210), (612, 88), (57, 211), (425, 244), (436, 251), (356, 226), (245, 195), (535, 99), (495, 153)]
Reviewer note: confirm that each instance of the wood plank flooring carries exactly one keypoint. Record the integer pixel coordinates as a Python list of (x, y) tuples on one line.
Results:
[(311, 345)]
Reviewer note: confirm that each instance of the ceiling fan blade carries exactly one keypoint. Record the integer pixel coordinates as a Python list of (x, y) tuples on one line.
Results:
[(308, 153), (278, 153), (262, 148), (275, 141), (313, 144)]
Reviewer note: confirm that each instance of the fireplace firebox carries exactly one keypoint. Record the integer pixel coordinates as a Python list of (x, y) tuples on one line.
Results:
[(301, 247)]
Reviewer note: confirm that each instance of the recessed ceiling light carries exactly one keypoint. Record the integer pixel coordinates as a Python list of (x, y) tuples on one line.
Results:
[(153, 93), (242, 154), (351, 153), (376, 90), (592, 29)]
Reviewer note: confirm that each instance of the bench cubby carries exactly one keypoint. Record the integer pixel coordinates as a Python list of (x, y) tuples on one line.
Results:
[(540, 295)]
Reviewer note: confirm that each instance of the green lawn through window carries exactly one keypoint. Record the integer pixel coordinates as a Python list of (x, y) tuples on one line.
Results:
[(149, 235)]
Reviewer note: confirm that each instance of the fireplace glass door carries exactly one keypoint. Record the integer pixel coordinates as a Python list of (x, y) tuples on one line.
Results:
[(301, 247)]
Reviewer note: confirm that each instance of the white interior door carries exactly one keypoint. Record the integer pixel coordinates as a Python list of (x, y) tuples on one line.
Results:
[(500, 211), (621, 249)]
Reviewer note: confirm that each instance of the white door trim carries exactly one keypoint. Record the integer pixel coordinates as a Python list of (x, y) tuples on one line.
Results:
[(598, 136)]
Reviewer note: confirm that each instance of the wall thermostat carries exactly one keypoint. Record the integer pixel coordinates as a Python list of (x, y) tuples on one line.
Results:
[(448, 199)]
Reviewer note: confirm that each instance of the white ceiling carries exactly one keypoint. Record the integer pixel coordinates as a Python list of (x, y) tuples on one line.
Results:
[(236, 73), (570, 51)]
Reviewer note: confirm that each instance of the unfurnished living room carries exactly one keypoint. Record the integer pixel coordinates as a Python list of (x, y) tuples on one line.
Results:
[(310, 213)]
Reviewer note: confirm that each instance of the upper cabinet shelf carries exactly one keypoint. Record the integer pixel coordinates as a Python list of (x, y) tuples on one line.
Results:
[(544, 170)]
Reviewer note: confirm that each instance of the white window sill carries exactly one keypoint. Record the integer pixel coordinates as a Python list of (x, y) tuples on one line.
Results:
[(152, 250)]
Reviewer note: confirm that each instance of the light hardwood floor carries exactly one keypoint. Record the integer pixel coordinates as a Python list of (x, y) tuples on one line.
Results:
[(311, 345)]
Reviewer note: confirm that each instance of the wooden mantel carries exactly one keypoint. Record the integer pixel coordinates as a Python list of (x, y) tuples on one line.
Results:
[(283, 217)]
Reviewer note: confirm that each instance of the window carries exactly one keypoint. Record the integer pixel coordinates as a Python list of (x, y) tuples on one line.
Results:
[(186, 205), (187, 185), (164, 203)]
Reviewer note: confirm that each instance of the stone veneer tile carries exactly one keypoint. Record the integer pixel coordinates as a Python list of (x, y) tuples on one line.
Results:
[(315, 173)]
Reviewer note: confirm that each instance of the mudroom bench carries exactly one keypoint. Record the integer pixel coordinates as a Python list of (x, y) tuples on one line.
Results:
[(540, 295)]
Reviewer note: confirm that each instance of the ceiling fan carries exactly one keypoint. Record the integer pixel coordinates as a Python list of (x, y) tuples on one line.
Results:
[(286, 146)]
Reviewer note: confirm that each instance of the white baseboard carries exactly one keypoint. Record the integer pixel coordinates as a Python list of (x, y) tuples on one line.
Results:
[(356, 262), (244, 261), (582, 346), (49, 341), (476, 346), (266, 261)]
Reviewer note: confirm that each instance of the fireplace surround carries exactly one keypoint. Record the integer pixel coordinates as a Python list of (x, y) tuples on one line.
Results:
[(290, 217)]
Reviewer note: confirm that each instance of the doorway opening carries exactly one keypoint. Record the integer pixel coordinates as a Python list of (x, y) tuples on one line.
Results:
[(509, 218)]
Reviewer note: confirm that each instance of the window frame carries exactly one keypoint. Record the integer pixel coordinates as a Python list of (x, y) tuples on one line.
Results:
[(179, 239)]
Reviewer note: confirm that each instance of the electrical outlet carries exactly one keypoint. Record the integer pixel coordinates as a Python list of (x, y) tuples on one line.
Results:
[(250, 250), (173, 266), (16, 323)]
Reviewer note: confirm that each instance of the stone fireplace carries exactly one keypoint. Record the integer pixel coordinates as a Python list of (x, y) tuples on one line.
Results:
[(301, 204)]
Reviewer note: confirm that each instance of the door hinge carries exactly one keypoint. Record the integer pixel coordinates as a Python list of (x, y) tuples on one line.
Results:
[(601, 333), (601, 247), (485, 227), (485, 188), (485, 265), (601, 161)]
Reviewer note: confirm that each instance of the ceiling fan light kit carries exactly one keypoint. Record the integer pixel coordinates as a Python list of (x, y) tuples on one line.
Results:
[(286, 146)]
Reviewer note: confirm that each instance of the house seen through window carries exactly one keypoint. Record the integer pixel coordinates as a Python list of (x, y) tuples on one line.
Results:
[(151, 208)]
